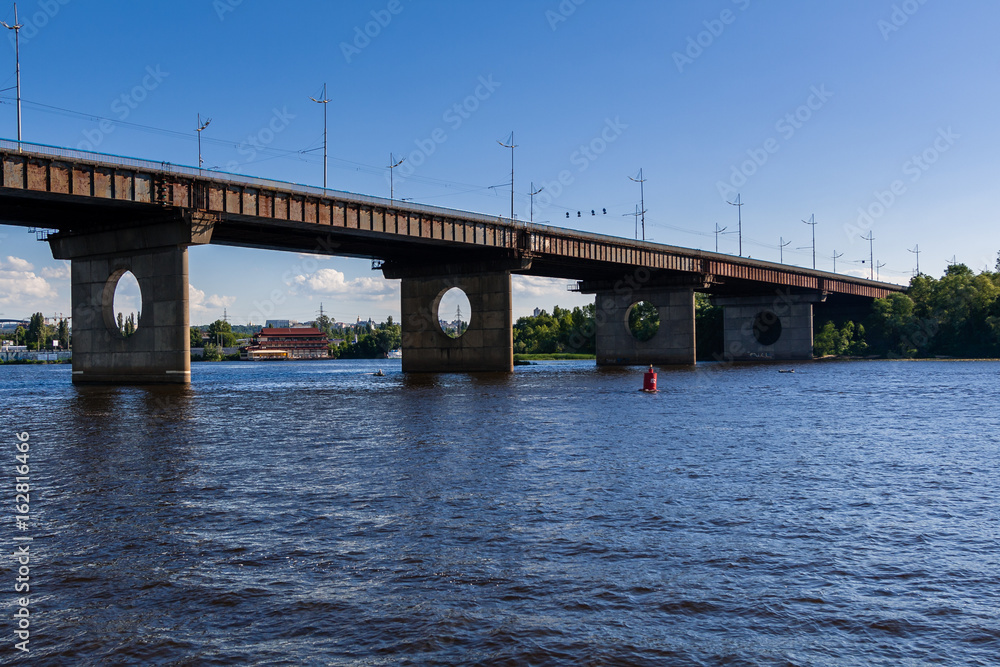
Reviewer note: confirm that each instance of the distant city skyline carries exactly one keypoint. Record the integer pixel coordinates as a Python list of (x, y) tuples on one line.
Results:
[(870, 117)]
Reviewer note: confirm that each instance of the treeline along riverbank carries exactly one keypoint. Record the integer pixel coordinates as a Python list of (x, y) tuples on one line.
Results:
[(957, 315)]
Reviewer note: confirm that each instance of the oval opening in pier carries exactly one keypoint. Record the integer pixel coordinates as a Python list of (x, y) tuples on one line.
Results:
[(127, 304), (767, 328), (454, 313), (643, 321)]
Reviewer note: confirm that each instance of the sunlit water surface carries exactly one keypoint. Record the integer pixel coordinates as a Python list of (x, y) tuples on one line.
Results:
[(311, 513)]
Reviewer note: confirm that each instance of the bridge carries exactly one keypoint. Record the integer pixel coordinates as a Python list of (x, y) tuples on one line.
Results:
[(109, 215)]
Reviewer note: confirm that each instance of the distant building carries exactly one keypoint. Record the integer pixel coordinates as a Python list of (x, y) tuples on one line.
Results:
[(538, 311), (279, 324), (287, 343)]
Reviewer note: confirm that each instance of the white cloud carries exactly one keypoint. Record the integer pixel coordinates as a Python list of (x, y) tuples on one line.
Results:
[(537, 286), (200, 304), (21, 286), (331, 281), (61, 272), (18, 264)]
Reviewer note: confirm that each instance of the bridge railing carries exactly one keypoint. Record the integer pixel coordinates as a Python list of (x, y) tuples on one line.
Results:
[(214, 174)]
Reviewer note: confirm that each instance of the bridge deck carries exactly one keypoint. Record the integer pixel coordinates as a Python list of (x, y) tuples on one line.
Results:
[(74, 191)]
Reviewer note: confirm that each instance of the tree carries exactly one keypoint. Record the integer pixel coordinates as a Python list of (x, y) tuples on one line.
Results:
[(196, 340), (37, 332), (63, 333), (644, 320), (221, 333), (212, 353), (325, 324), (388, 336)]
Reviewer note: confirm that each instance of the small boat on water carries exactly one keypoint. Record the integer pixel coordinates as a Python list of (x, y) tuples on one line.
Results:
[(379, 373)]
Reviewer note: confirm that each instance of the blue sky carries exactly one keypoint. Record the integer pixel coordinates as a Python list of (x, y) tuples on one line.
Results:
[(873, 115)]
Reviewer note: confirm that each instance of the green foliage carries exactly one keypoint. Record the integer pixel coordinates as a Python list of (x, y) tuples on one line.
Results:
[(212, 352), (37, 334), (957, 315), (221, 333), (195, 337), (564, 331), (848, 340), (643, 321), (62, 334), (325, 324), (372, 344), (709, 334)]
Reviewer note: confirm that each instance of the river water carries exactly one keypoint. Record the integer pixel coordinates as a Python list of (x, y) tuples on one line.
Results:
[(311, 513)]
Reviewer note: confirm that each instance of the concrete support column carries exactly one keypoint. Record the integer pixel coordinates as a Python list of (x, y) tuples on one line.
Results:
[(159, 350), (674, 342), (777, 327), (487, 345), (156, 254)]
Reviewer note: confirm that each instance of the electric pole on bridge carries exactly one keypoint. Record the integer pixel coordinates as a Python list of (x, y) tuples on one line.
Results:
[(392, 165), (835, 258), (531, 193), (718, 230), (511, 146), (325, 102), (871, 253), (201, 128), (916, 251), (17, 58), (642, 201), (781, 245), (739, 217), (812, 222)]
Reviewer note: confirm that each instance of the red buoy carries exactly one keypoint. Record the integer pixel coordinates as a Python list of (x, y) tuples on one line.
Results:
[(649, 381)]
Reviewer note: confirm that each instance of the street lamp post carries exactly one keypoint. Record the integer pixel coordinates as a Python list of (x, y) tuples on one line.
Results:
[(392, 165), (511, 146), (325, 102), (17, 58), (201, 128), (812, 222), (642, 200), (739, 208)]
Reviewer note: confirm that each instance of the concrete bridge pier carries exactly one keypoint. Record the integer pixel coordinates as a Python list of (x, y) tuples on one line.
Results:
[(777, 327), (156, 254), (674, 341), (487, 344)]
